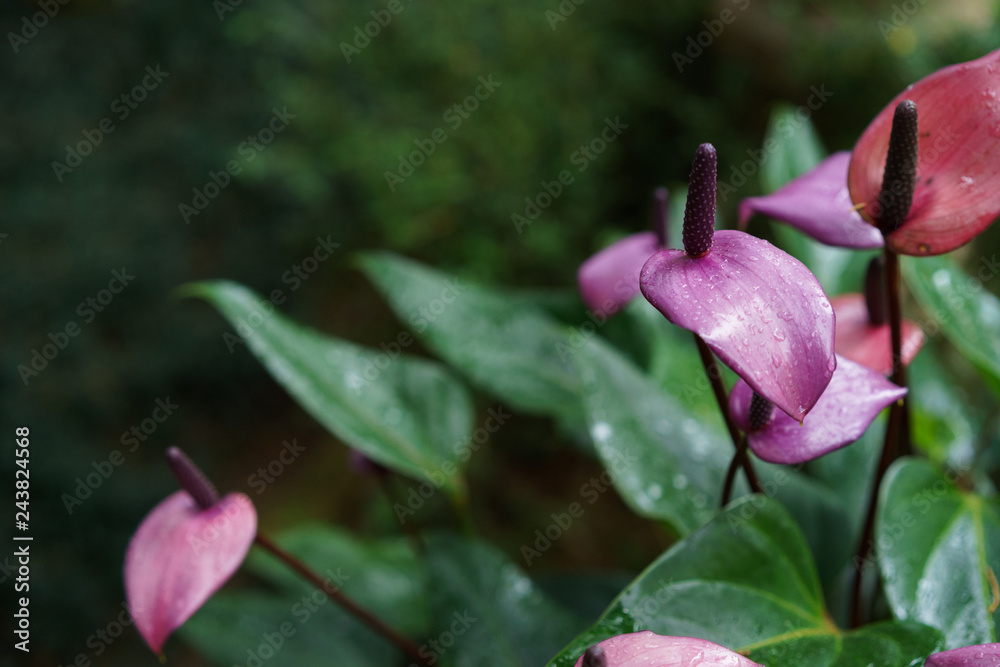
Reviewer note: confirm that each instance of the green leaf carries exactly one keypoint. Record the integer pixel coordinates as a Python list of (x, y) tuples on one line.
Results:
[(957, 304), (746, 581), (665, 463), (502, 343), (946, 422), (936, 545), (487, 611), (791, 148), (406, 413), (295, 624)]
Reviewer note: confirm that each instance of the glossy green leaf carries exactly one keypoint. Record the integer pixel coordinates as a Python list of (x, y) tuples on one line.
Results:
[(746, 581), (294, 624), (958, 305), (665, 463), (505, 345), (946, 422), (936, 545), (486, 611), (406, 413)]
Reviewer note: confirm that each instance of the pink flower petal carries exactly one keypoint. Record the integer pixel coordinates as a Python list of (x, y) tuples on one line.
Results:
[(869, 345), (758, 308), (851, 402), (647, 649), (180, 556), (957, 193), (610, 279), (981, 655), (818, 204)]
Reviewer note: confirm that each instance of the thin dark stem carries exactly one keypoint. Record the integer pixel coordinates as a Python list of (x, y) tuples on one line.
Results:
[(715, 379), (898, 376), (738, 459), (366, 617)]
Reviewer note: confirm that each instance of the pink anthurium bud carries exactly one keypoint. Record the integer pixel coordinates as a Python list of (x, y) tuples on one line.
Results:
[(184, 551), (758, 308), (648, 649), (981, 655), (862, 333), (956, 188), (851, 402), (610, 278), (818, 204)]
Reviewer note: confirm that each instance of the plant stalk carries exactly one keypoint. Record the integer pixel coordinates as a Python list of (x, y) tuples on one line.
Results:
[(738, 460), (362, 614)]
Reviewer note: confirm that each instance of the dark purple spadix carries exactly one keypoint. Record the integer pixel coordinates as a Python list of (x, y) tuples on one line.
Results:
[(192, 479), (900, 176), (699, 212), (659, 217), (875, 291), (761, 412), (595, 657)]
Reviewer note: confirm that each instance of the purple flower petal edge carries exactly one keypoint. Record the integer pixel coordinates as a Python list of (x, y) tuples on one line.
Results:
[(980, 655), (648, 649), (610, 278), (758, 308), (180, 556), (818, 204), (854, 397)]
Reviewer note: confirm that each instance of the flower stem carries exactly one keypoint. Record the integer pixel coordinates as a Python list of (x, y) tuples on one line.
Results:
[(362, 614), (738, 459), (897, 433), (715, 379)]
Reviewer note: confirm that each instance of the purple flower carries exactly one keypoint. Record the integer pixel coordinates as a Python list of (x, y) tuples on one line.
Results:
[(758, 308), (853, 399), (981, 655), (648, 649), (818, 204), (610, 278), (184, 550)]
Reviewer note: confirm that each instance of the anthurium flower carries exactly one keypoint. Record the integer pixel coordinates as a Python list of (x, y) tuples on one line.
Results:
[(863, 333), (981, 655), (818, 204), (610, 278), (758, 308), (184, 550), (851, 402), (648, 649)]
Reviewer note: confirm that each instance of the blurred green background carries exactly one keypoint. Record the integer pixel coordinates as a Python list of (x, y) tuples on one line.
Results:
[(324, 176)]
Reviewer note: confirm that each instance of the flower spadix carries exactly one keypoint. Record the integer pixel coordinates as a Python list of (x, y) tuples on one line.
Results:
[(853, 399), (759, 309), (610, 279), (648, 649), (184, 551)]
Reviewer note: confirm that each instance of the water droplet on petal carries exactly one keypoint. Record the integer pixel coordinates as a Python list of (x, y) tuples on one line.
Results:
[(779, 335)]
